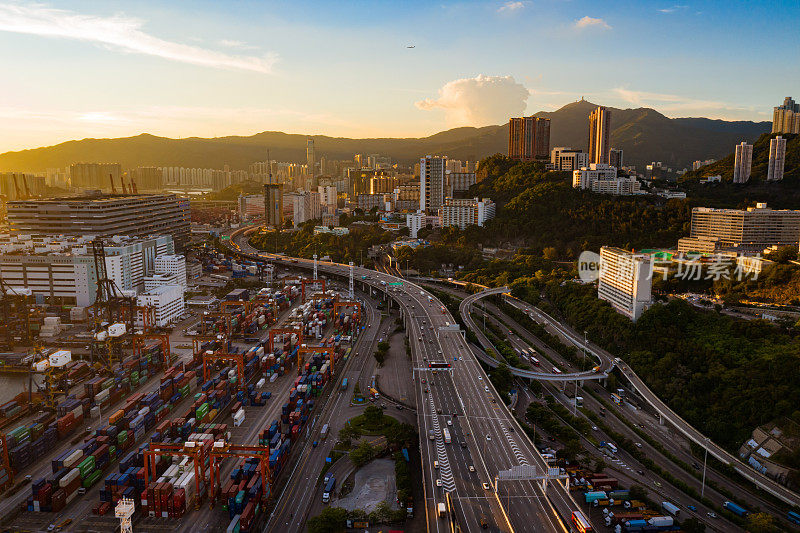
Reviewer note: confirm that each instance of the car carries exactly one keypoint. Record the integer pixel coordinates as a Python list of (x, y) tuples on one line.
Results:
[(424, 381), (484, 523), (480, 378), (640, 472), (426, 390), (494, 401), (471, 468), (691, 508), (711, 514), (552, 439), (594, 428), (399, 407), (638, 444), (488, 437), (455, 414), (657, 484), (485, 486), (51, 527), (696, 466), (463, 445), (438, 482), (314, 444), (449, 422), (438, 411)]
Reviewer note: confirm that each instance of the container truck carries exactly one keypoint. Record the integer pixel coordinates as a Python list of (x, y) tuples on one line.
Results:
[(735, 509), (671, 508)]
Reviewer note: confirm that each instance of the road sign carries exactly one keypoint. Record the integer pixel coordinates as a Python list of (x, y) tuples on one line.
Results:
[(396, 283)]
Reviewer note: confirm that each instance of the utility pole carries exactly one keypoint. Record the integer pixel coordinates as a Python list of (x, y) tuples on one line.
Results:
[(705, 461)]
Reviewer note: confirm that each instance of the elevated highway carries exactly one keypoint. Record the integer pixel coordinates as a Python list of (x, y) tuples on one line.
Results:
[(455, 395), (464, 310), (608, 362)]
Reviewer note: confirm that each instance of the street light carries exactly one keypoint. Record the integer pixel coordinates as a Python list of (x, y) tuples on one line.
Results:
[(705, 461)]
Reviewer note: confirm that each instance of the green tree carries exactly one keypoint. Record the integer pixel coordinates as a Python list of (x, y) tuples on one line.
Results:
[(330, 520), (502, 378), (363, 454), (693, 525), (373, 416), (383, 346), (380, 357), (761, 523), (599, 465), (348, 433), (637, 492)]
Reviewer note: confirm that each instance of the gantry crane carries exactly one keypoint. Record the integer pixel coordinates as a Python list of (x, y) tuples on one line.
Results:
[(15, 318)]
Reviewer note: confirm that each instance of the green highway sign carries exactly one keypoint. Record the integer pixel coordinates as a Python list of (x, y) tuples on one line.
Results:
[(400, 283), (226, 237)]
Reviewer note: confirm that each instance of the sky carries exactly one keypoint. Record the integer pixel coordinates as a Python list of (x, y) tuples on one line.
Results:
[(77, 69)]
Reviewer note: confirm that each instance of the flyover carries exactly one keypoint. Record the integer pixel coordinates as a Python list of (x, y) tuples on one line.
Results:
[(608, 362), (464, 310), (467, 434)]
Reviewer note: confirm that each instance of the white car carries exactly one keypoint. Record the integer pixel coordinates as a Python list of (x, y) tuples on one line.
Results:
[(438, 482), (449, 422), (471, 468), (488, 437)]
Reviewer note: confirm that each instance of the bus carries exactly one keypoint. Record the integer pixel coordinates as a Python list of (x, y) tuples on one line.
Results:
[(580, 522), (344, 384), (446, 435), (438, 364), (556, 370), (329, 486), (617, 399), (793, 517), (534, 361)]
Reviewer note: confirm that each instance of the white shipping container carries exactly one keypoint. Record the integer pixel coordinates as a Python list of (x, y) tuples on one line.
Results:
[(73, 459), (260, 383), (102, 395), (69, 477), (143, 411), (78, 411), (41, 366), (60, 358), (101, 336), (273, 377)]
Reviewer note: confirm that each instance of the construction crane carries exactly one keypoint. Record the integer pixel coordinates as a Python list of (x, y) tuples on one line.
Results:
[(15, 317), (124, 188), (133, 187), (113, 313)]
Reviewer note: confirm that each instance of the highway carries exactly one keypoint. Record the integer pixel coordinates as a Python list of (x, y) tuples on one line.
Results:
[(494, 441)]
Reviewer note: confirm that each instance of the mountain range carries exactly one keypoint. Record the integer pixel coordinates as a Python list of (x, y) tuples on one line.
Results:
[(644, 134)]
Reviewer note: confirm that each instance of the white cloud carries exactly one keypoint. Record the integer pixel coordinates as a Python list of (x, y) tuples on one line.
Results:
[(479, 101), (121, 33), (231, 43), (681, 106), (589, 22), (511, 7), (672, 9)]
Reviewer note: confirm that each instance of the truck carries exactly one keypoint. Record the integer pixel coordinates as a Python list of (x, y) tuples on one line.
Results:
[(441, 511), (671, 508), (344, 385), (324, 433), (735, 509), (329, 486)]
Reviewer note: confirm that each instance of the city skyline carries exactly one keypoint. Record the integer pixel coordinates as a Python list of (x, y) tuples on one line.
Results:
[(219, 73)]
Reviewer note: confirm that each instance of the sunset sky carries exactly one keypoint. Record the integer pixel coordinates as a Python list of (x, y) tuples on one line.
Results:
[(90, 69)]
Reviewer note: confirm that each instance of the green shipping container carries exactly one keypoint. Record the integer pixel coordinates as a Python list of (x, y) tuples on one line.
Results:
[(121, 437), (93, 478)]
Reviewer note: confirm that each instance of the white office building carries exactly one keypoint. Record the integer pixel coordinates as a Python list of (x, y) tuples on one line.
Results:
[(432, 181), (63, 268), (415, 222), (625, 281), (327, 195), (159, 280), (167, 302), (172, 264), (777, 158), (568, 159), (743, 162), (466, 212)]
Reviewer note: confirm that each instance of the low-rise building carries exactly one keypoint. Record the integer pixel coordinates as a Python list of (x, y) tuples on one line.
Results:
[(602, 178), (167, 303), (172, 264), (568, 159)]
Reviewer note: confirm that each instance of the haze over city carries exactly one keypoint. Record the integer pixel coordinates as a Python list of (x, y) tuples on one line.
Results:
[(83, 69)]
